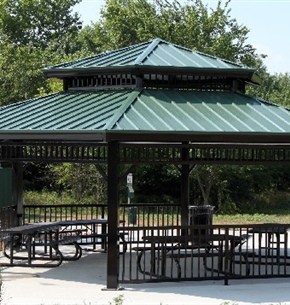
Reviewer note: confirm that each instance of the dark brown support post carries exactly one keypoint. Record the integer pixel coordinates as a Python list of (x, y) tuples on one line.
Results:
[(185, 171), (113, 205), (65, 84), (17, 190)]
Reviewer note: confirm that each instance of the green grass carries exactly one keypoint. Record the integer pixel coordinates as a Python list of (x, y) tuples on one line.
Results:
[(252, 218)]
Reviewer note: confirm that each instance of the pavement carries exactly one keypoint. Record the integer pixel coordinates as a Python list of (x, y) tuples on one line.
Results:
[(83, 282)]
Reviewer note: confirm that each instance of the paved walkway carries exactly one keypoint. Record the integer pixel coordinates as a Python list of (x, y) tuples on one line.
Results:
[(82, 282)]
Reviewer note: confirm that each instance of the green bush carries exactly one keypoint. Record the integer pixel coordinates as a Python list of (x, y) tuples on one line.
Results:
[(46, 197), (270, 202)]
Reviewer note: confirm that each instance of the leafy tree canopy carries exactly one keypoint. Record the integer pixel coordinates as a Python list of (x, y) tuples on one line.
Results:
[(21, 75), (34, 34), (274, 88), (38, 22)]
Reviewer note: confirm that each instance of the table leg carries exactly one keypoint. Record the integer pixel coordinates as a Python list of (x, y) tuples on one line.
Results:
[(152, 260), (268, 248), (11, 248), (163, 260), (286, 244), (29, 238), (104, 233), (94, 235)]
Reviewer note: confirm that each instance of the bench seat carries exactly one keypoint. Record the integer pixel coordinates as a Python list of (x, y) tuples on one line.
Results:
[(65, 240)]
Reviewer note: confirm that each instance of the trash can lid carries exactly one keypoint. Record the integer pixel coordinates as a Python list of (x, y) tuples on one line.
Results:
[(201, 207)]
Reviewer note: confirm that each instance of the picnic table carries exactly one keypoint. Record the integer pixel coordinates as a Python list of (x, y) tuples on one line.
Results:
[(272, 242), (89, 231), (22, 242), (19, 245), (223, 246)]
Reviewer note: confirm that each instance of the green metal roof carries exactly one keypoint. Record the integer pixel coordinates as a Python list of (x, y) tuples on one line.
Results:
[(153, 111), (203, 111), (153, 54), (64, 111)]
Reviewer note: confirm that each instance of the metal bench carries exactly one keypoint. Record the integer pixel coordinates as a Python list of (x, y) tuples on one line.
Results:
[(205, 255), (65, 240)]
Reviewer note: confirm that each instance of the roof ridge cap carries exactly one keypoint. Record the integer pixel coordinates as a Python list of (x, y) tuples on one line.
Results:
[(94, 56), (152, 45), (128, 102)]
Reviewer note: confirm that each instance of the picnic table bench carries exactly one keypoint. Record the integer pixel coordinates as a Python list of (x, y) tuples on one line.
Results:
[(91, 232), (222, 246)]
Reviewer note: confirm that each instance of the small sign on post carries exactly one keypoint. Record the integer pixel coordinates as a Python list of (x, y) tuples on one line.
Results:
[(129, 179), (130, 186), (132, 212)]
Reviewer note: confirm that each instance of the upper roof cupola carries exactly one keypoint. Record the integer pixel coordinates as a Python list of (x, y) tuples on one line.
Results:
[(153, 64)]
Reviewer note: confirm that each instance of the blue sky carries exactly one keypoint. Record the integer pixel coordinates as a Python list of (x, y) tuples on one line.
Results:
[(268, 22)]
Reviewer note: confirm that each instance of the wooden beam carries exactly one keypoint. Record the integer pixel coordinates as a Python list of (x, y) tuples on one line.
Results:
[(185, 171), (113, 205), (17, 190)]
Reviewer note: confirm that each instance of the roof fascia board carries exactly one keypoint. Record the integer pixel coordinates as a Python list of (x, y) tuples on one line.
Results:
[(198, 137), (139, 69), (52, 136)]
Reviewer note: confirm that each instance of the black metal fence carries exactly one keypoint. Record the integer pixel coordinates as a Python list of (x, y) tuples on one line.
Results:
[(57, 212), (199, 252), (141, 214)]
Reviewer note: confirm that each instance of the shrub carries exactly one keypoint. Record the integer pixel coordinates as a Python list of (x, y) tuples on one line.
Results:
[(46, 197)]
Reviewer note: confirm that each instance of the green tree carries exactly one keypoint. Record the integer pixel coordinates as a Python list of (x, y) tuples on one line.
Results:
[(38, 22), (206, 177), (20, 72), (34, 34), (159, 183), (82, 181), (21, 75), (274, 88)]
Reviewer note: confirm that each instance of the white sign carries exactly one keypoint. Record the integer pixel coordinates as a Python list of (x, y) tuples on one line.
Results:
[(130, 178)]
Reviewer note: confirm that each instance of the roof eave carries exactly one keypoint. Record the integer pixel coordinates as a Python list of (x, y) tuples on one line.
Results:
[(146, 136), (44, 135), (62, 73), (205, 137)]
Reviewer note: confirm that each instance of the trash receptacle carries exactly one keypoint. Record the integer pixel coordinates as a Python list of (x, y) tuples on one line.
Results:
[(200, 215), (132, 215)]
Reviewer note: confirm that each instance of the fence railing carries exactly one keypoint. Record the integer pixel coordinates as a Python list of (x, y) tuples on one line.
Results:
[(57, 212), (176, 253), (144, 214)]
